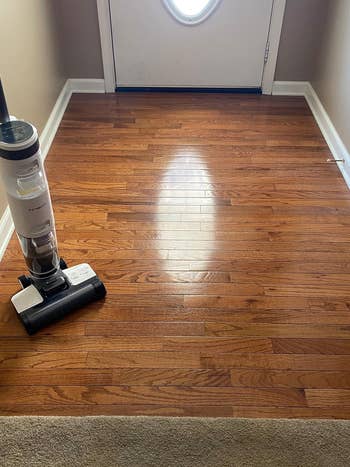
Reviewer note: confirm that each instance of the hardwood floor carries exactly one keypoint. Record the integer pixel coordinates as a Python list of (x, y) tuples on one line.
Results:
[(222, 236)]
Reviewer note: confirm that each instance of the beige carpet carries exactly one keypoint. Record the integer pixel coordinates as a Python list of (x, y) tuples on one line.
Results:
[(148, 441)]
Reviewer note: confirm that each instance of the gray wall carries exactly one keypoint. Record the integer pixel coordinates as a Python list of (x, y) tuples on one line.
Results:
[(79, 36), (300, 40), (332, 78)]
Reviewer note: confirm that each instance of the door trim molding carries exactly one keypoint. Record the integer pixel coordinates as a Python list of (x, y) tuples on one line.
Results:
[(273, 42), (104, 20), (109, 66)]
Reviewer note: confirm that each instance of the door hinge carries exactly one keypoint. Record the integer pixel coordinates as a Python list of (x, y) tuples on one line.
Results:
[(267, 51)]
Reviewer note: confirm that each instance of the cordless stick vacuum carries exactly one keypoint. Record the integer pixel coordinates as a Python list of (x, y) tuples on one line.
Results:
[(51, 290)]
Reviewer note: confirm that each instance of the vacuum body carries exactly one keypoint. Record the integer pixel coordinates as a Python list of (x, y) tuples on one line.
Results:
[(28, 196), (51, 290)]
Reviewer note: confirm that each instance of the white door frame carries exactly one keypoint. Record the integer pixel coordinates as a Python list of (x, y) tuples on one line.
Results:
[(106, 35)]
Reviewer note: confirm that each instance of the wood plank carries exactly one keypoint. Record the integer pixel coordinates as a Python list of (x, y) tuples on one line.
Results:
[(145, 329), (167, 410), (290, 379), (170, 377), (44, 343), (65, 376), (246, 303), (57, 359), (12, 327), (328, 398), (311, 346), (292, 254), (208, 346), (278, 362), (313, 413), (196, 289), (278, 330), (149, 314), (142, 360), (110, 395), (115, 267)]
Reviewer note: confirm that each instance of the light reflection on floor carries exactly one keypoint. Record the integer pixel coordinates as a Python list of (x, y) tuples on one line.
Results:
[(185, 200)]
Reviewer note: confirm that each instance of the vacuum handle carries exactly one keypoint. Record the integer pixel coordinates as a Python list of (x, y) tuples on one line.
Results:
[(4, 113)]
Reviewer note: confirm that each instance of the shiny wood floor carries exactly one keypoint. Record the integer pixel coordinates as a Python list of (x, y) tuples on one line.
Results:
[(223, 238)]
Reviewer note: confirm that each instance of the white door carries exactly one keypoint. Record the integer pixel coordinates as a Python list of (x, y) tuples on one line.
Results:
[(154, 49)]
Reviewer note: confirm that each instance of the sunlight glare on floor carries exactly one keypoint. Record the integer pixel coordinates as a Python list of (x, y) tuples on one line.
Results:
[(184, 196)]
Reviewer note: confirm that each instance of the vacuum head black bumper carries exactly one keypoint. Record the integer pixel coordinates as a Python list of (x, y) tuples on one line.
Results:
[(38, 306), (60, 305)]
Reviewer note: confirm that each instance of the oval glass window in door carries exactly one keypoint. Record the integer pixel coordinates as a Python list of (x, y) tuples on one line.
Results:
[(191, 11)]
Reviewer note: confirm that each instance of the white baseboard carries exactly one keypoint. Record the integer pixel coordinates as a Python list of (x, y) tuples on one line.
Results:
[(87, 85), (54, 119), (328, 130), (71, 86), (289, 88), (6, 230)]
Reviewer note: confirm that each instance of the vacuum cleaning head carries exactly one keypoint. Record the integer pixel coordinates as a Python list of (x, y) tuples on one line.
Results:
[(71, 289), (50, 291)]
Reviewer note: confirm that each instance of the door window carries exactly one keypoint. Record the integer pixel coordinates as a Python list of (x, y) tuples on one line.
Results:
[(191, 11)]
